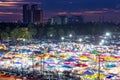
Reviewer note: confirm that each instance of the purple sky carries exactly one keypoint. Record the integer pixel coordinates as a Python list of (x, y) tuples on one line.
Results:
[(92, 10)]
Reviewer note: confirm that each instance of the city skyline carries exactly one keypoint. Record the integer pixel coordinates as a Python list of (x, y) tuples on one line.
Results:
[(92, 10)]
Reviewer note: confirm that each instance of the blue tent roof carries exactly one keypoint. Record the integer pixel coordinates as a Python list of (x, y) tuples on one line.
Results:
[(1, 53), (18, 62), (70, 59), (25, 50), (110, 76), (66, 66), (50, 60), (88, 73), (111, 66)]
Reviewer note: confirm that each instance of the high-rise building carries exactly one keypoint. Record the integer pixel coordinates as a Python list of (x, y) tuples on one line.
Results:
[(33, 15), (64, 19), (26, 13), (75, 19), (59, 20), (34, 7)]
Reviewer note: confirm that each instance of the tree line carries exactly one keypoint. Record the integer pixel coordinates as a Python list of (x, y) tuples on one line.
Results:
[(28, 31)]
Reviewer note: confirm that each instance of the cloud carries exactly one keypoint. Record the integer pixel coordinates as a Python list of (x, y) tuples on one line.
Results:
[(62, 13), (14, 0), (10, 13), (82, 12), (12, 3), (9, 8), (69, 13), (94, 12), (7, 3)]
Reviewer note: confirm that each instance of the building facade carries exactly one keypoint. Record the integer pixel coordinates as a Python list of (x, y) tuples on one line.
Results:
[(33, 14), (64, 19)]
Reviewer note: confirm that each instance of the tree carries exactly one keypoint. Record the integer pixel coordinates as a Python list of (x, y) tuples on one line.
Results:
[(51, 31), (32, 31), (71, 32), (61, 32), (4, 35), (21, 33), (15, 33), (41, 31), (24, 33), (7, 30)]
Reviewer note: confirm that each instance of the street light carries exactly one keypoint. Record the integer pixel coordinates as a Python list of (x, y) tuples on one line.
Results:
[(105, 37), (62, 38), (51, 35), (102, 41), (23, 39), (107, 34), (80, 40), (70, 35)]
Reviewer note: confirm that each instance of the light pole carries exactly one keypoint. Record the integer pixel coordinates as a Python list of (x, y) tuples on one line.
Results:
[(99, 56), (107, 34), (51, 35), (70, 35), (22, 65), (62, 38), (24, 41), (98, 66), (102, 42), (80, 40), (33, 63)]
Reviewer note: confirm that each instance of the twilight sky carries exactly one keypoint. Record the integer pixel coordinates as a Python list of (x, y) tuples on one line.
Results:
[(92, 10)]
